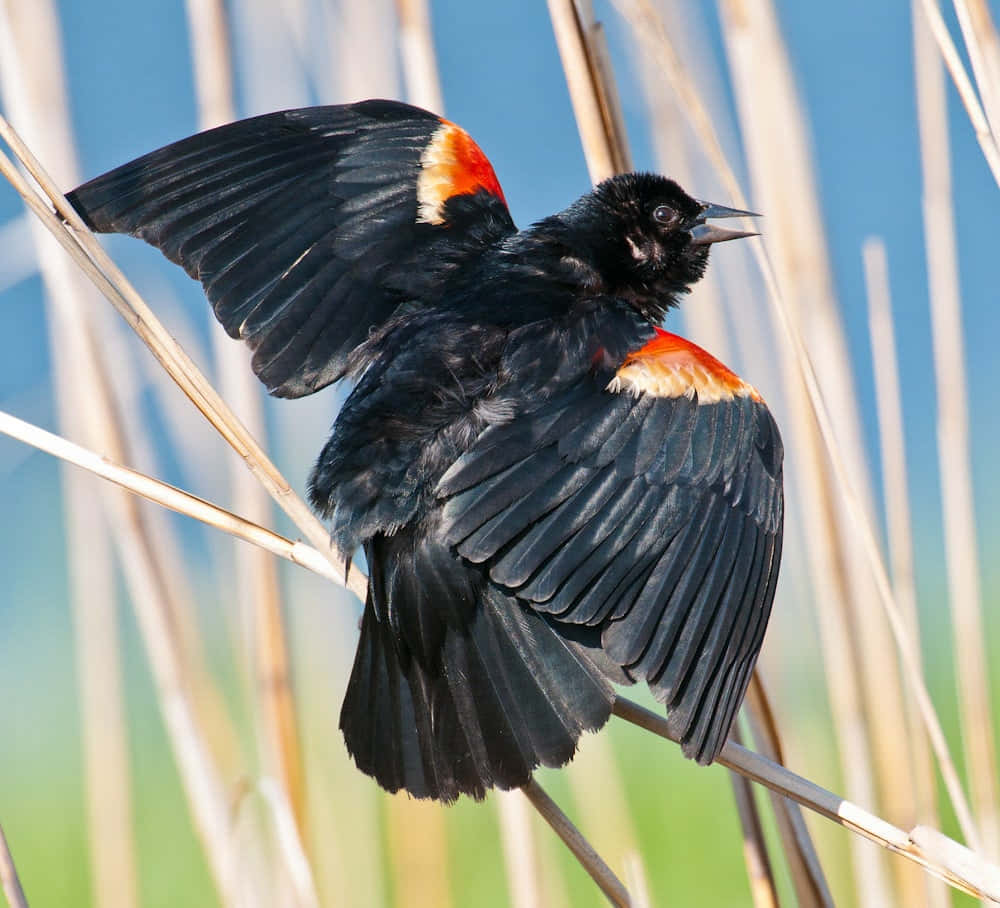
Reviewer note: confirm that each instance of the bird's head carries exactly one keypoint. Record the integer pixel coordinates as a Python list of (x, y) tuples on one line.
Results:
[(645, 238)]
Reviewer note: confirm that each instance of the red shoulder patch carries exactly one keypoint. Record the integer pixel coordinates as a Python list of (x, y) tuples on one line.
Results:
[(670, 366), (452, 164)]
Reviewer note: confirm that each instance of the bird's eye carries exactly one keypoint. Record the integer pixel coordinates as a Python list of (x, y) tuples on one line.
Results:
[(664, 214)]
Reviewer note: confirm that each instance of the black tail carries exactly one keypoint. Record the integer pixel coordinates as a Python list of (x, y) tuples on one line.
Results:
[(461, 695)]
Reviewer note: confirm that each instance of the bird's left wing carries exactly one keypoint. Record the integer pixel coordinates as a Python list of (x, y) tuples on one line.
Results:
[(309, 228), (643, 503)]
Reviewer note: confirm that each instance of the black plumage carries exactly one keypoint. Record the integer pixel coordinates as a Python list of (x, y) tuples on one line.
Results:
[(553, 495)]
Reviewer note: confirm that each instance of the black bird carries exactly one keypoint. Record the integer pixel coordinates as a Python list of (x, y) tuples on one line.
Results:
[(553, 494)]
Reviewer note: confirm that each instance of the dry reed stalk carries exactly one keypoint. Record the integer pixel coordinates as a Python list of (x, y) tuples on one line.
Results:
[(810, 884), (129, 405), (755, 856), (103, 721), (170, 497), (595, 45), (368, 37), (32, 85), (596, 134), (83, 247), (704, 318), (636, 882), (648, 25), (953, 438), (983, 44), (9, 880), (936, 853), (988, 142), (177, 690), (271, 42), (597, 106), (553, 883), (519, 850), (366, 64), (894, 478), (257, 580), (289, 842), (904, 642), (416, 48), (582, 850)]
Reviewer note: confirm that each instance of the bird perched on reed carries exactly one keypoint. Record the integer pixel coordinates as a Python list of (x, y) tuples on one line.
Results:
[(553, 494)]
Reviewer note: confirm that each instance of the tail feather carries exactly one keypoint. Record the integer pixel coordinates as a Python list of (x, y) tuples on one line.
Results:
[(505, 693)]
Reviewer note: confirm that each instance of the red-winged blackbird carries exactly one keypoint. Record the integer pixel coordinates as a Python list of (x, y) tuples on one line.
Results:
[(553, 494)]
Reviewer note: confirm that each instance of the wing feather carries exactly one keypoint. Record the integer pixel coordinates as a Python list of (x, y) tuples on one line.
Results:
[(304, 226), (654, 520)]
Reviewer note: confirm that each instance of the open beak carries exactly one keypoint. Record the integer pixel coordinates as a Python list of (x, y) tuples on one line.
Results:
[(702, 233)]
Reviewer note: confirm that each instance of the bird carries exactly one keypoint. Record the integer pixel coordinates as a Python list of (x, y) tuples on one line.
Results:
[(554, 495)]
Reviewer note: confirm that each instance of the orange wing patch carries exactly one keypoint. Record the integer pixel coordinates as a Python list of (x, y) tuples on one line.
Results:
[(452, 164), (669, 366)]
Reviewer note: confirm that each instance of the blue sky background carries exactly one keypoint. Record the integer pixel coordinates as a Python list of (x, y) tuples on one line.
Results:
[(131, 90)]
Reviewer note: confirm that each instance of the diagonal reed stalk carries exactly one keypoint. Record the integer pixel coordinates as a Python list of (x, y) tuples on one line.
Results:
[(965, 597), (759, 873), (592, 862), (936, 853), (989, 142), (981, 40), (83, 247), (170, 497), (811, 888)]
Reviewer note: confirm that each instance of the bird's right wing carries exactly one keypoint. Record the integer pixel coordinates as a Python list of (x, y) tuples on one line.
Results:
[(644, 503), (309, 228)]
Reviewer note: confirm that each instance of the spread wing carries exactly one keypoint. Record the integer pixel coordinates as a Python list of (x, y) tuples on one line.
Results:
[(647, 508), (308, 228)]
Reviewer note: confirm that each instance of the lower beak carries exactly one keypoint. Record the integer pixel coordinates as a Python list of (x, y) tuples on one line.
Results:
[(702, 234)]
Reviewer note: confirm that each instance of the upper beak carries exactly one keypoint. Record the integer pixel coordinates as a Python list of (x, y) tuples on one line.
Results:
[(702, 233)]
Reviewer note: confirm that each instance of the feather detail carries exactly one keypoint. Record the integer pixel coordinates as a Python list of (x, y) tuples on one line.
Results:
[(670, 366), (452, 164)]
